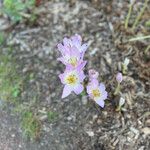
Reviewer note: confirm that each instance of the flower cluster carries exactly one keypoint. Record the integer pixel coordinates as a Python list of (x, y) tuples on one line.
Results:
[(72, 53), (95, 89)]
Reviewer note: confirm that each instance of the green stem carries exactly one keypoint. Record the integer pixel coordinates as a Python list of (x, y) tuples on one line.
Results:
[(139, 38), (124, 69), (128, 16), (140, 14), (117, 90)]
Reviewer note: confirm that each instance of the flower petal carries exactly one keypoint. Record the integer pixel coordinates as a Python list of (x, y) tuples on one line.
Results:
[(61, 48), (84, 47), (79, 37), (62, 60), (94, 83), (76, 40), (78, 89), (102, 87), (66, 91), (100, 103), (75, 52), (67, 42), (81, 65), (61, 76), (104, 95), (81, 76)]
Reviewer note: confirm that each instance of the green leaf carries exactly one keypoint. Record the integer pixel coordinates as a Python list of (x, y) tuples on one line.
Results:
[(15, 8), (16, 91), (147, 24)]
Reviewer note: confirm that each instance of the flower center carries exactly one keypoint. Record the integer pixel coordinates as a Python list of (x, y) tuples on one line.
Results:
[(96, 93), (73, 61), (71, 79)]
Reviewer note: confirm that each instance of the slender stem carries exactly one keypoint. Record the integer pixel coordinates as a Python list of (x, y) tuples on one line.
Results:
[(124, 69), (128, 15), (117, 90), (139, 38), (140, 14)]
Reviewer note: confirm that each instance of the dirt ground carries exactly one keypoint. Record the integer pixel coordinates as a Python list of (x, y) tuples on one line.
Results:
[(80, 124)]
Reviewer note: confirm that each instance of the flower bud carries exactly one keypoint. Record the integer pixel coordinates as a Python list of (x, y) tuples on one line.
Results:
[(121, 102), (119, 77), (126, 62), (93, 74)]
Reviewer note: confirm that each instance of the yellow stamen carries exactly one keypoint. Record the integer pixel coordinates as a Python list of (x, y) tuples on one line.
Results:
[(73, 61), (96, 93), (71, 79)]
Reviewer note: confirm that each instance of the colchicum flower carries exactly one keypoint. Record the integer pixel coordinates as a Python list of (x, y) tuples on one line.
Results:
[(72, 51), (72, 58), (72, 79), (97, 92)]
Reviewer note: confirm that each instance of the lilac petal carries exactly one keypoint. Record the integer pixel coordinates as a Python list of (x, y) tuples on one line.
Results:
[(75, 52), (79, 37), (67, 42), (84, 47), (69, 68), (61, 76), (94, 83), (61, 48), (81, 65), (66, 91), (104, 95), (100, 103), (102, 87), (78, 89), (82, 55), (62, 60), (76, 41), (81, 75)]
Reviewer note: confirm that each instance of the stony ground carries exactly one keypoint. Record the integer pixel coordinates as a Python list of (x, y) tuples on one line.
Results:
[(80, 124)]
